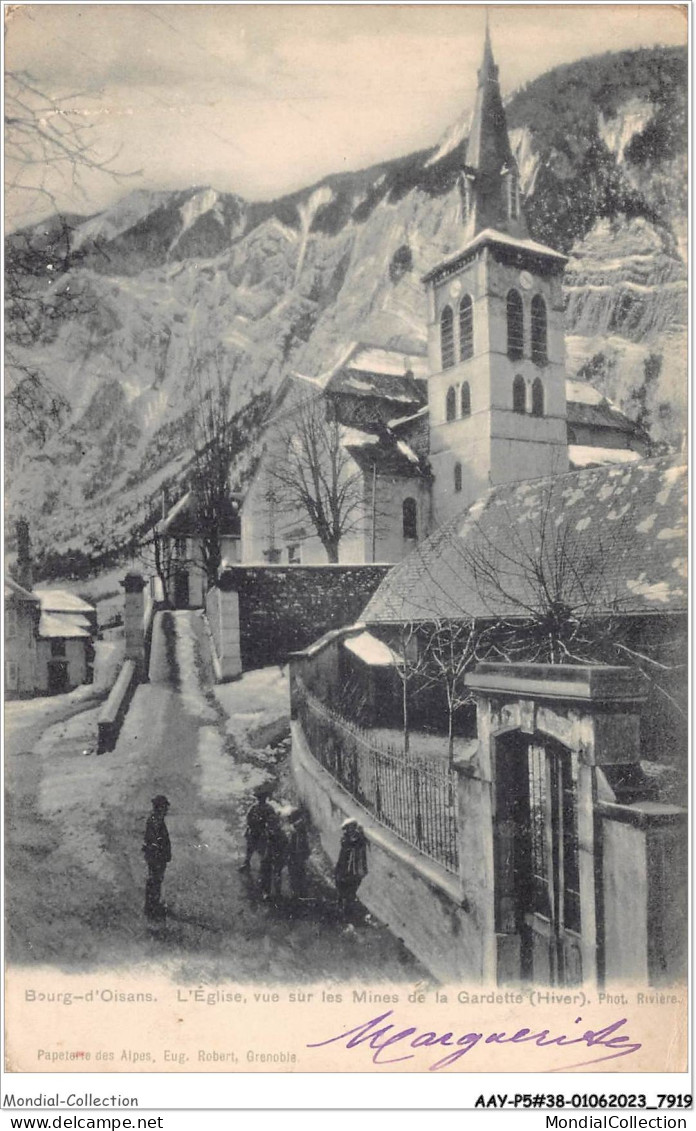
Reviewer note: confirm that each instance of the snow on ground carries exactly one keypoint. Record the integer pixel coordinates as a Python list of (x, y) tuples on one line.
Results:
[(258, 698), (423, 744), (75, 875)]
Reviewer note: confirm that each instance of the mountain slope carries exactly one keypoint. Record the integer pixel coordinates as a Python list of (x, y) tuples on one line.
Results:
[(139, 293)]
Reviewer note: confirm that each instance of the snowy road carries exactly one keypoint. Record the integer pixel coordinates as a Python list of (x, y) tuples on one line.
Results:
[(74, 862)]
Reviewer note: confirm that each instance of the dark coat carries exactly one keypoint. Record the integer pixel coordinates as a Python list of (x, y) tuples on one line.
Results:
[(156, 844), (276, 843), (352, 857), (298, 843), (257, 820)]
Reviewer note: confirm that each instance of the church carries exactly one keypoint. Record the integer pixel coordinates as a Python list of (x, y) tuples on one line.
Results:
[(507, 716), (419, 438)]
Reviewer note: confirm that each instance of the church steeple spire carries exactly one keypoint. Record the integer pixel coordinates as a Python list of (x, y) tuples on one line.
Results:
[(492, 189)]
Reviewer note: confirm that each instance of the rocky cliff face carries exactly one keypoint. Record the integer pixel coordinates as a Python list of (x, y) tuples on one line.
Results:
[(140, 293)]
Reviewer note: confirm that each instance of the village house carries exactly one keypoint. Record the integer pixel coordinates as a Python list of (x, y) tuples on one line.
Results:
[(22, 614), (547, 843), (46, 652), (180, 549), (49, 634)]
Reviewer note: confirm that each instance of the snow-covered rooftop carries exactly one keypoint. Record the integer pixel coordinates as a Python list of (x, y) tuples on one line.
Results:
[(492, 235), (399, 420), (61, 601), (582, 392), (582, 456), (374, 359), (371, 650), (63, 627)]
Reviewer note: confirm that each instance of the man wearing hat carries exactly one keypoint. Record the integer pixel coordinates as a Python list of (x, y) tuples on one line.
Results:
[(257, 820), (157, 850)]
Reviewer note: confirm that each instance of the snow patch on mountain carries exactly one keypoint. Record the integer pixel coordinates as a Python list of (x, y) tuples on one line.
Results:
[(618, 131), (453, 136), (527, 160), (307, 210), (207, 200), (124, 215)]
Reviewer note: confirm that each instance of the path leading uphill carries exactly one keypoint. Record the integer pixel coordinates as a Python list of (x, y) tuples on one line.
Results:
[(75, 866)]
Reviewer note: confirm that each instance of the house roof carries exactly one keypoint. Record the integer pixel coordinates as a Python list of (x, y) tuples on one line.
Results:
[(624, 528), (373, 652), (15, 591), (62, 627), (61, 601)]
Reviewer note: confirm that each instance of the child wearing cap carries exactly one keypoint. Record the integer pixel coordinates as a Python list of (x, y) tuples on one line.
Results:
[(351, 866)]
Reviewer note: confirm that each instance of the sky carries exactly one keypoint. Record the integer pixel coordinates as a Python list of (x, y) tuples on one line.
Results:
[(262, 99)]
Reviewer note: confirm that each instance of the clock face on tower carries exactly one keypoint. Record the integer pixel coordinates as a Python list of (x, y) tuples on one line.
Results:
[(455, 288), (525, 280)]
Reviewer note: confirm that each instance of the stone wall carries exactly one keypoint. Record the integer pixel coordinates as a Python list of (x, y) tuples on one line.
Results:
[(284, 608), (420, 902)]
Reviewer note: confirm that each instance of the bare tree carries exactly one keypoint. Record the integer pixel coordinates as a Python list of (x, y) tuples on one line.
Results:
[(411, 669), (216, 441), (451, 649), (154, 550), (551, 580), (553, 595), (49, 148), (311, 472)]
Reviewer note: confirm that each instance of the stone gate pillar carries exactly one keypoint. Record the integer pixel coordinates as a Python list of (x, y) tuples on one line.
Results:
[(624, 834), (134, 610), (222, 612)]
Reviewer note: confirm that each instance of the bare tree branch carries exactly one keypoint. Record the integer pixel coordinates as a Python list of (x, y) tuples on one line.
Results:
[(310, 471)]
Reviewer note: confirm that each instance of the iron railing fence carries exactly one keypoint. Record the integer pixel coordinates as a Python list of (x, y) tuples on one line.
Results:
[(412, 795)]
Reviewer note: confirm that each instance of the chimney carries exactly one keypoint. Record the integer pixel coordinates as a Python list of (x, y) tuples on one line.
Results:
[(25, 566)]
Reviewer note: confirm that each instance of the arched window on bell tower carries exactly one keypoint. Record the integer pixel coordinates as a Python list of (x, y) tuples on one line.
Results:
[(451, 404), (465, 399), (539, 331), (519, 395), (447, 338), (537, 397), (466, 328), (515, 325)]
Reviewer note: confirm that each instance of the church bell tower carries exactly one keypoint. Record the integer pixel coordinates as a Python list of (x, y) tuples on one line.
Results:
[(495, 336)]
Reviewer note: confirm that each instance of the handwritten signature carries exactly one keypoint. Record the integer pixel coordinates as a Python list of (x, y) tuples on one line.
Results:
[(381, 1037)]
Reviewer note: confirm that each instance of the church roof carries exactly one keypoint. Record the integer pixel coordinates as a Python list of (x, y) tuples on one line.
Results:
[(623, 527), (585, 455), (488, 148), (601, 415), (387, 454), (489, 158), (523, 249), (401, 388)]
